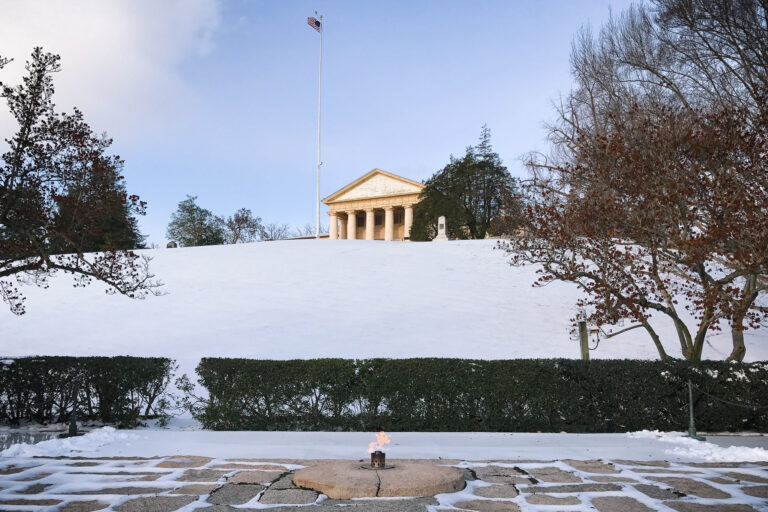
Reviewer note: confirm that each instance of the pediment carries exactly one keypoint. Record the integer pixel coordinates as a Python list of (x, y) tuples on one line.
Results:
[(376, 183)]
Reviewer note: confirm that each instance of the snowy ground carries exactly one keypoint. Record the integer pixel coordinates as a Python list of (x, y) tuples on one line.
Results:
[(351, 299), (305, 299), (645, 445), (632, 475)]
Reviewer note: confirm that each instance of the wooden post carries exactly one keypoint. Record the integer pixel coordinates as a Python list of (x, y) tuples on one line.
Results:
[(584, 339)]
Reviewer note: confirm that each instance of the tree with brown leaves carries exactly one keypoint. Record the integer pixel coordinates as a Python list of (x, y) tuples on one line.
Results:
[(663, 211), (654, 196)]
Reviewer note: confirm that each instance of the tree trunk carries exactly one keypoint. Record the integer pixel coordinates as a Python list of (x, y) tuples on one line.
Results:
[(739, 350), (737, 336), (737, 320), (701, 334), (698, 347), (656, 341), (685, 338)]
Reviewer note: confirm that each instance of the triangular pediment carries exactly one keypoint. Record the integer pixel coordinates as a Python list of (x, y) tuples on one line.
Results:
[(376, 183)]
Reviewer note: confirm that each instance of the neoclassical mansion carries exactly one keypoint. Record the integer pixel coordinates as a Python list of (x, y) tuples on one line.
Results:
[(377, 206)]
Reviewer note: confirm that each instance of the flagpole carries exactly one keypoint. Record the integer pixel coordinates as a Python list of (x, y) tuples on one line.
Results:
[(319, 112)]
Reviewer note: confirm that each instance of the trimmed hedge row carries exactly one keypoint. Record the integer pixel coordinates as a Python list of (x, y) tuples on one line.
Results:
[(119, 390), (550, 395)]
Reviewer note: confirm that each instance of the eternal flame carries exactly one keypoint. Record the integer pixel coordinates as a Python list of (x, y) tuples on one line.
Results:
[(377, 206)]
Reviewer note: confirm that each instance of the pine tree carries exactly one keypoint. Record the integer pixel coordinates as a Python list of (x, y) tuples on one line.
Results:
[(115, 227), (59, 187), (192, 225), (470, 192)]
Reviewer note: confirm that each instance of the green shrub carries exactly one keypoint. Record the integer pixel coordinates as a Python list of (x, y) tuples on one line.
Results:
[(548, 395), (277, 395), (119, 390)]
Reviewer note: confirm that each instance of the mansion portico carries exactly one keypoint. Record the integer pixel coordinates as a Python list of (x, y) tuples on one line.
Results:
[(377, 206)]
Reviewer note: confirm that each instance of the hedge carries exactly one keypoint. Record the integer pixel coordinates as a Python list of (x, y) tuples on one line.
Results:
[(547, 395), (118, 390)]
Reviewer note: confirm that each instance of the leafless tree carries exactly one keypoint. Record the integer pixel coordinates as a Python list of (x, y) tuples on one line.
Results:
[(243, 227), (276, 231), (308, 230)]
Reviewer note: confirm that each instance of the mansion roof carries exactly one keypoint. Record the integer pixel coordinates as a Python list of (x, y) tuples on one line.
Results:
[(375, 184)]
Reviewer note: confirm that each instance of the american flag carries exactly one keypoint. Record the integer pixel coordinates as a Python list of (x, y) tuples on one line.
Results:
[(312, 22)]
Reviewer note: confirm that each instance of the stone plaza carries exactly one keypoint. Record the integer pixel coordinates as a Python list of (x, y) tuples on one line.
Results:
[(164, 484)]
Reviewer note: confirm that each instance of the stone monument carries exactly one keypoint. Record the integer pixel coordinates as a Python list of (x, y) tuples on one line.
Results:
[(349, 480), (441, 236)]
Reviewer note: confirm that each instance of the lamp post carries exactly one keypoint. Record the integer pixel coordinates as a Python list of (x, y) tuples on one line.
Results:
[(692, 424)]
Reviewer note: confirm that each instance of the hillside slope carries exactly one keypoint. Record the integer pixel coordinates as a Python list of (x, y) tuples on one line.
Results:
[(307, 299)]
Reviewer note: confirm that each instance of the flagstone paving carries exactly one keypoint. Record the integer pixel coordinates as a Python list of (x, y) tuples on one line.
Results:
[(166, 484)]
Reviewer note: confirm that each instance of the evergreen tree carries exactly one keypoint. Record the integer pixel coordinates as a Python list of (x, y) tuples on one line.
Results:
[(115, 227), (470, 192), (58, 187), (192, 225)]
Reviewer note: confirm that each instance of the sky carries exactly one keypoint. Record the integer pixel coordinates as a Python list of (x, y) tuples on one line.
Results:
[(218, 99)]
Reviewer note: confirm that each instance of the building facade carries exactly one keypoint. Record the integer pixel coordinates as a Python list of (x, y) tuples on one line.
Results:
[(377, 206)]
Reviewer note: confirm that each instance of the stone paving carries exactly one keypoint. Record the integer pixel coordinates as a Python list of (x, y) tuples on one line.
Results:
[(166, 484)]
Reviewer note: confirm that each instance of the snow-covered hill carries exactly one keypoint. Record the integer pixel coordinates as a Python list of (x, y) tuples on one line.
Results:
[(307, 299)]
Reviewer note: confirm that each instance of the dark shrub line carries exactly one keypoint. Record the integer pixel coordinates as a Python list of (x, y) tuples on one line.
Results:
[(119, 390), (548, 395)]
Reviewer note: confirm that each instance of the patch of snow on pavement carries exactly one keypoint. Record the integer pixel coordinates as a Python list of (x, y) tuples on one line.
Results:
[(57, 447), (687, 448)]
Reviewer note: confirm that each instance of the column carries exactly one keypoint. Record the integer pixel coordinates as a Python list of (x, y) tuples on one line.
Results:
[(343, 231), (369, 224), (333, 232), (389, 223), (408, 221), (351, 225)]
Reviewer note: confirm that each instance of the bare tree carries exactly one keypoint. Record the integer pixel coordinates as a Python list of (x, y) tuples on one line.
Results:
[(243, 227), (308, 230), (275, 231)]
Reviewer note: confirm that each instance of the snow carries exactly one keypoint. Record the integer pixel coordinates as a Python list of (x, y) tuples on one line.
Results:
[(347, 298), (350, 299), (690, 449), (108, 442), (93, 477), (89, 442)]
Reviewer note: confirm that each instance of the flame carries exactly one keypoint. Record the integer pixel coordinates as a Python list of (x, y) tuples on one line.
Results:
[(381, 439)]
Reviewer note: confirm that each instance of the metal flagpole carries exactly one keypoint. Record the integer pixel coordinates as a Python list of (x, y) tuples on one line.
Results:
[(319, 112)]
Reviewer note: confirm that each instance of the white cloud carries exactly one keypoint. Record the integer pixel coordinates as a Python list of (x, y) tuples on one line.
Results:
[(120, 58)]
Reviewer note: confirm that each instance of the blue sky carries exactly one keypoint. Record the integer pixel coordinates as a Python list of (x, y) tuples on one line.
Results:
[(219, 99)]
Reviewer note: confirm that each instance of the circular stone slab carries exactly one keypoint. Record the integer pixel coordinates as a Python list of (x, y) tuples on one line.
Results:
[(346, 480)]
